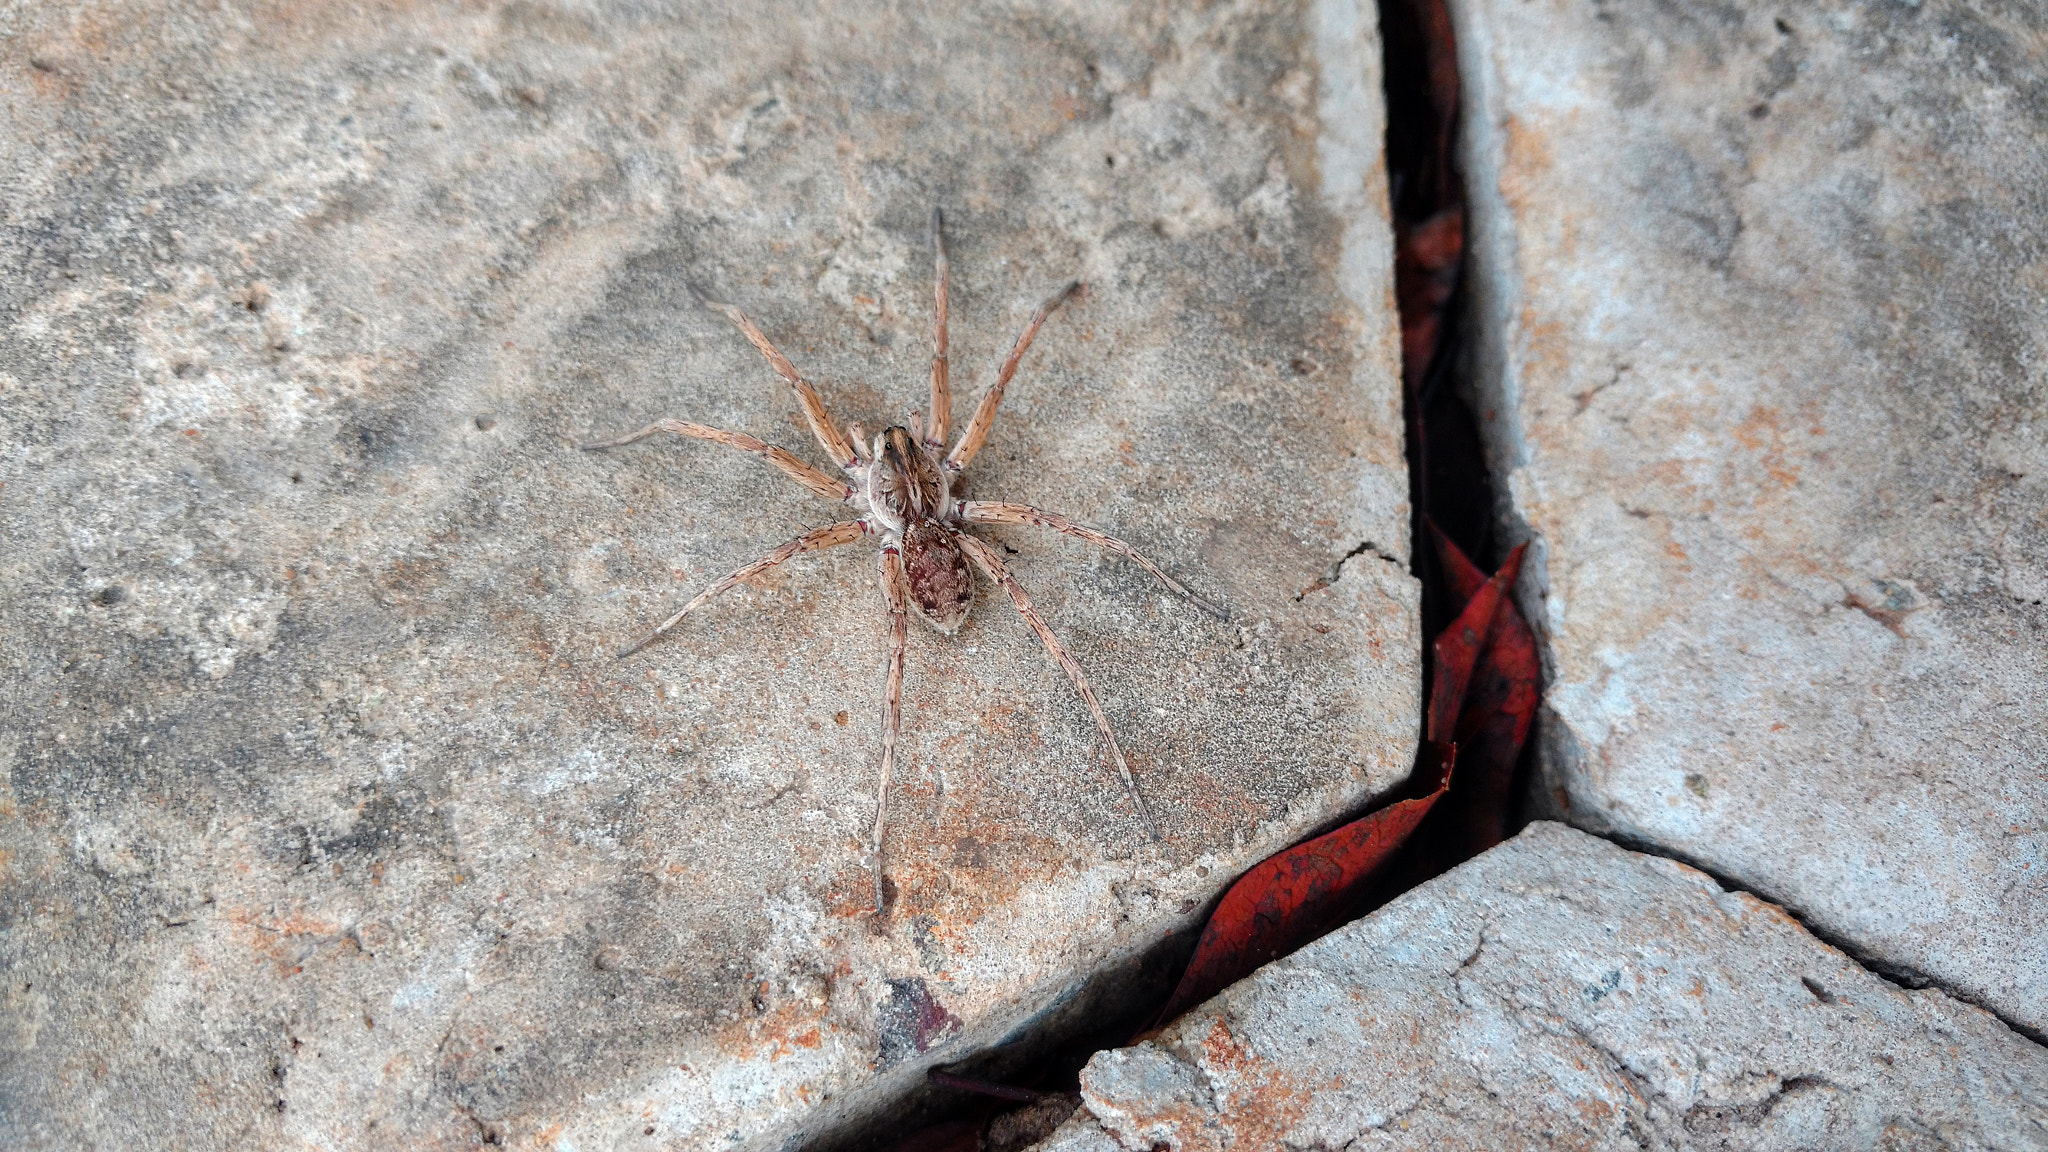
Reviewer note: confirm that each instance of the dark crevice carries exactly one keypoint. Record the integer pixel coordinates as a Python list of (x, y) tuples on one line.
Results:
[(1448, 475), (1452, 488)]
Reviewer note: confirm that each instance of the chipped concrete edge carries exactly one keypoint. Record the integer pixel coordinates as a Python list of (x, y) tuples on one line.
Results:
[(1493, 303), (1352, 175)]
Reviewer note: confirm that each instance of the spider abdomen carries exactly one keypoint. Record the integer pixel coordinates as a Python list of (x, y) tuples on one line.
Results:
[(941, 587)]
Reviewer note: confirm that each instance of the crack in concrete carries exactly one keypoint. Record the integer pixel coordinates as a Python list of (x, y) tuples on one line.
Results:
[(1477, 948), (1335, 571), (1703, 1115), (1707, 1117), (1458, 978)]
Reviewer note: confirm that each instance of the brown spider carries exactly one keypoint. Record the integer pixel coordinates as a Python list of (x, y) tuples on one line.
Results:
[(906, 490)]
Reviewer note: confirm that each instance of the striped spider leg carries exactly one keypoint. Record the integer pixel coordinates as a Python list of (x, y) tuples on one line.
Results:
[(903, 488)]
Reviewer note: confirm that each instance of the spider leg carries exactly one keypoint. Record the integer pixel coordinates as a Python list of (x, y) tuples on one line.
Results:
[(782, 458), (806, 396), (976, 432), (830, 536), (942, 393), (895, 593), (997, 512), (992, 566)]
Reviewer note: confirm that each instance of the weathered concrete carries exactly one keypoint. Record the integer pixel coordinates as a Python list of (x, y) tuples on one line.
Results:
[(1559, 991), (331, 823), (1761, 302)]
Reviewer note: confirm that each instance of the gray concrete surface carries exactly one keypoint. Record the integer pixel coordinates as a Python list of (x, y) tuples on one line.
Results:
[(1560, 992), (1764, 360), (328, 820)]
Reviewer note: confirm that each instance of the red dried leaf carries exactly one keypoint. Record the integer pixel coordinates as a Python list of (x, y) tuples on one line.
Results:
[(1433, 248), (1462, 578), (1499, 705), (1426, 264), (1290, 899), (1459, 647)]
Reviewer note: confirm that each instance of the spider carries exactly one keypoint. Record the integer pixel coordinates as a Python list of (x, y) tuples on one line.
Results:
[(905, 487)]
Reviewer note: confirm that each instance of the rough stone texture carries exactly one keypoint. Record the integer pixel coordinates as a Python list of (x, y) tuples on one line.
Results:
[(330, 821), (1559, 991), (1764, 313)]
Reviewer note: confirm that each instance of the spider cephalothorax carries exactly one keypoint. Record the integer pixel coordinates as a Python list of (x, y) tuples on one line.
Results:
[(904, 488)]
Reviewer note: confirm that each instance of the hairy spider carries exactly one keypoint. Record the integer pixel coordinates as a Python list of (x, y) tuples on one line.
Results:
[(905, 488)]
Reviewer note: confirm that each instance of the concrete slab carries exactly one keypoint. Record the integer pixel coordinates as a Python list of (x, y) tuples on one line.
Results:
[(1765, 363), (330, 821), (1559, 991)]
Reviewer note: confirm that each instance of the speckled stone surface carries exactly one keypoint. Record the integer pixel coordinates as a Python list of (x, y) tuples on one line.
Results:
[(329, 821), (1560, 992), (1763, 316)]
